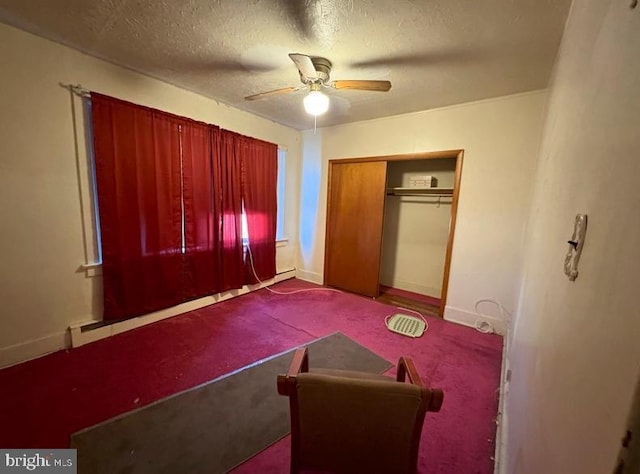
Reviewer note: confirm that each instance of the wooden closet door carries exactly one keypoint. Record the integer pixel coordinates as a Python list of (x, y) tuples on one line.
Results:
[(355, 213)]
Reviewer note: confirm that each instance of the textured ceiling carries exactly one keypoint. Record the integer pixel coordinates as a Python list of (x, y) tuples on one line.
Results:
[(435, 52)]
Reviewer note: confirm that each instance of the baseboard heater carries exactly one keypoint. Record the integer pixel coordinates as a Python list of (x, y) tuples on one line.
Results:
[(91, 331)]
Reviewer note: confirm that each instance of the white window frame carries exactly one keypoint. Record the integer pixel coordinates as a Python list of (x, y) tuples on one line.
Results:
[(281, 239), (281, 190)]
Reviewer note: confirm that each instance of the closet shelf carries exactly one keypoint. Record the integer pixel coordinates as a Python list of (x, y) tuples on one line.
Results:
[(420, 191)]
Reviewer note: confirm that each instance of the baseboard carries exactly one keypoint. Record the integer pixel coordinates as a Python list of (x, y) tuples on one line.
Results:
[(81, 336), (500, 456), (282, 275), (470, 318), (76, 336), (24, 351), (313, 277), (284, 271)]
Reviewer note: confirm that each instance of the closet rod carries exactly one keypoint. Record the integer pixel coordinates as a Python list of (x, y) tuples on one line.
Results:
[(420, 195), (438, 199)]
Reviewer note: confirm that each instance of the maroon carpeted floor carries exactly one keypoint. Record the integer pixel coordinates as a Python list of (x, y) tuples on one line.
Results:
[(45, 400)]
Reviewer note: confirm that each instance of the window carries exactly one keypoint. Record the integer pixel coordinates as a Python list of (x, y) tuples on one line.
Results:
[(177, 199), (282, 168), (282, 157), (93, 185)]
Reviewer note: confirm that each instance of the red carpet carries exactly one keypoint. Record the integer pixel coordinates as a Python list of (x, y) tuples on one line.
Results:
[(45, 400)]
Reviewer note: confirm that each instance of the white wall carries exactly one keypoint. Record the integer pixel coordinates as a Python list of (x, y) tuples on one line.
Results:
[(500, 138), (41, 182), (312, 183), (576, 345)]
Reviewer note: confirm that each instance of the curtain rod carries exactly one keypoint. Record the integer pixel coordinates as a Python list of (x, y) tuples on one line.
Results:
[(82, 92), (77, 89)]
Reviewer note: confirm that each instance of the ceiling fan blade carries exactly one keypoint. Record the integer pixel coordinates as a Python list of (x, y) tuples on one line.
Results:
[(262, 95), (378, 86), (304, 65)]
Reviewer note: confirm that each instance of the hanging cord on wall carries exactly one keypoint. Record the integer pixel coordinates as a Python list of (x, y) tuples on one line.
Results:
[(302, 290), (426, 324), (484, 326)]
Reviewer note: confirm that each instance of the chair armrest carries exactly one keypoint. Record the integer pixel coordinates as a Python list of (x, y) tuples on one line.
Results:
[(406, 369), (300, 363), (435, 400)]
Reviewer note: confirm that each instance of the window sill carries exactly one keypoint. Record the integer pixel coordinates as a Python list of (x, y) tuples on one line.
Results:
[(91, 269)]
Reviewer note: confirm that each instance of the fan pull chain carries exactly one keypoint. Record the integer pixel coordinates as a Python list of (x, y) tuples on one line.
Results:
[(315, 123)]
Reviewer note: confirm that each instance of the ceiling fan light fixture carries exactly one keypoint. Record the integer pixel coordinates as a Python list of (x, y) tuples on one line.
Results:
[(316, 103)]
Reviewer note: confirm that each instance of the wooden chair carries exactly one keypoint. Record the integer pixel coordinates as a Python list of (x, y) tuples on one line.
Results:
[(355, 422)]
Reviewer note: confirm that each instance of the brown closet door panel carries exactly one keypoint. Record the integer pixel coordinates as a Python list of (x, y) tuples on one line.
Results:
[(355, 214)]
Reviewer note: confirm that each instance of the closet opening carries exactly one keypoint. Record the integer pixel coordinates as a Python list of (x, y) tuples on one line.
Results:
[(390, 227), (417, 212)]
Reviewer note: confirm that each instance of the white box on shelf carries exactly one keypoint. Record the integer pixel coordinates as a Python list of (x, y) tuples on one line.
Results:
[(423, 181)]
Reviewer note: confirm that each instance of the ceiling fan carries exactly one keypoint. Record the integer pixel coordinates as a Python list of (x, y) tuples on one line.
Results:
[(314, 73)]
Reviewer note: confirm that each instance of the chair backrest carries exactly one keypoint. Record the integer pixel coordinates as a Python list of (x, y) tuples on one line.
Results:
[(345, 422)]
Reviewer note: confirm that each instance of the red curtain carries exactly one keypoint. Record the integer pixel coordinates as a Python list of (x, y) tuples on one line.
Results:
[(170, 195), (227, 189), (137, 159), (201, 256), (259, 194)]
